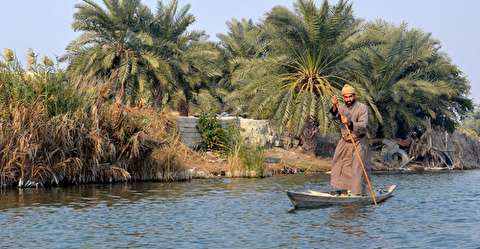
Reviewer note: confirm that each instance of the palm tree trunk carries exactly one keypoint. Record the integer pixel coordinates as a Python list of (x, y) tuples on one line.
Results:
[(183, 107)]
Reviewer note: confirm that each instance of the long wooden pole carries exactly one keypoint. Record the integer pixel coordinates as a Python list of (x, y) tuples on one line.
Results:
[(359, 157)]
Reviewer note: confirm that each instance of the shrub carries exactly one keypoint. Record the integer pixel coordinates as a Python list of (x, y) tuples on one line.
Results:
[(214, 136)]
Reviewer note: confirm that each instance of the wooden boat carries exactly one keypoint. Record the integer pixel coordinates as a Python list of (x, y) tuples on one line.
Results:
[(313, 199)]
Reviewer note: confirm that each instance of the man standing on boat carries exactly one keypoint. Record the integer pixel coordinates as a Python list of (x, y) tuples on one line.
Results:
[(347, 172)]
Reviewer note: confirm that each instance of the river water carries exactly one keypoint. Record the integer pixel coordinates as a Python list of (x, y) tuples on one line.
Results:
[(428, 211)]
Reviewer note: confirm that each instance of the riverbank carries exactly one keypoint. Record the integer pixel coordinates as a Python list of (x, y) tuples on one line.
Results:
[(284, 162), (278, 161), (113, 143)]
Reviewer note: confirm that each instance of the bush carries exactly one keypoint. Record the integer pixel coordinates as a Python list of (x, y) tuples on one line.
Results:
[(214, 137)]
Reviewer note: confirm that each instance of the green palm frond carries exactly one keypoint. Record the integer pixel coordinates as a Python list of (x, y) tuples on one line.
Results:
[(405, 79), (142, 53), (303, 66)]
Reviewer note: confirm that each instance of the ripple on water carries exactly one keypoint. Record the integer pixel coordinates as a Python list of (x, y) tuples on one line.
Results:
[(428, 210)]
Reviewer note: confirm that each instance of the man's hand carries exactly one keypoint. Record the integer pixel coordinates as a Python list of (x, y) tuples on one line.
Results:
[(334, 104), (334, 100), (344, 120)]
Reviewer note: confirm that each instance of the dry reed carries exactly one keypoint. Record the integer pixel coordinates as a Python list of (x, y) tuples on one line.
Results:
[(55, 133)]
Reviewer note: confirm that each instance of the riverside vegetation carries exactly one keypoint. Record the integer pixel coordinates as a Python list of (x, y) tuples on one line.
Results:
[(243, 156), (108, 115), (52, 133)]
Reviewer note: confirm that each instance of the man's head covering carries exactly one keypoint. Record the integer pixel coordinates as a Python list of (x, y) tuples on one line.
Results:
[(348, 89)]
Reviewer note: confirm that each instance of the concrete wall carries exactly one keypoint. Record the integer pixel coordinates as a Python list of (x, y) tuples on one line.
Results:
[(187, 127), (255, 131)]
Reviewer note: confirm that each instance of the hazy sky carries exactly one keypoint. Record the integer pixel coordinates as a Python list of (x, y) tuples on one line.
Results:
[(45, 25)]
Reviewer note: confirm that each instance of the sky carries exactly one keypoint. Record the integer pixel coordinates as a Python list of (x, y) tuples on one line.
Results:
[(47, 27)]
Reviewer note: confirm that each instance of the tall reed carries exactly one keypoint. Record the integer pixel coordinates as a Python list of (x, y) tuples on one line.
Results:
[(243, 156), (52, 133)]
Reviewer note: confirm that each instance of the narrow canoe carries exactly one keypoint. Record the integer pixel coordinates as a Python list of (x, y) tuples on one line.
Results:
[(313, 199)]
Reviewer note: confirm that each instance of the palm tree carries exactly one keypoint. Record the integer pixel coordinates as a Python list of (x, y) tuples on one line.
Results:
[(244, 45), (144, 55), (406, 79), (307, 52), (110, 47), (193, 60)]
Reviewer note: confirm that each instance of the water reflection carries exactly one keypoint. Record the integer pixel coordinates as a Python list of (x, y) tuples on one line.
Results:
[(345, 218), (88, 196)]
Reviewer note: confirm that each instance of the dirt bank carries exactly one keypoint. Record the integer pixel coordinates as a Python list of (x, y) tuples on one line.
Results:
[(278, 161)]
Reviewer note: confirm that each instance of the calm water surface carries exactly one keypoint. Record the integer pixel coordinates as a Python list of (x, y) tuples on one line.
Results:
[(427, 211)]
